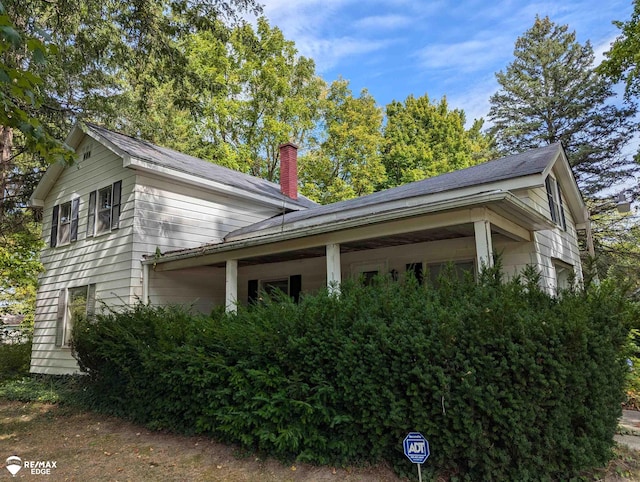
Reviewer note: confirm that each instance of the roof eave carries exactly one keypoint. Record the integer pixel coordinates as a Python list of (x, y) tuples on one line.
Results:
[(53, 172)]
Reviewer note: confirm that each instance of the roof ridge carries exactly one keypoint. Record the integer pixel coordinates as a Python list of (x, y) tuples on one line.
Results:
[(223, 174)]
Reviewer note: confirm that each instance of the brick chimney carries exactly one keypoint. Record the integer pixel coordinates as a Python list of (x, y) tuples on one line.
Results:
[(289, 170)]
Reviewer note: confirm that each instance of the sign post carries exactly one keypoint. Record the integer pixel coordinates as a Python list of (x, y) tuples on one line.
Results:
[(416, 448)]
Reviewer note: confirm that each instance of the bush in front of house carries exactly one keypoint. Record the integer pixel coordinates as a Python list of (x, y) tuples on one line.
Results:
[(504, 381), (15, 359)]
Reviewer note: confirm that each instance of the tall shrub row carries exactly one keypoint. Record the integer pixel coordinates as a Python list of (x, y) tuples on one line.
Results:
[(505, 382)]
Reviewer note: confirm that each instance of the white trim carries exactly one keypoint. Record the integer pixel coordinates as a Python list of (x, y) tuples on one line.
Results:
[(334, 275), (484, 244), (151, 167), (231, 286)]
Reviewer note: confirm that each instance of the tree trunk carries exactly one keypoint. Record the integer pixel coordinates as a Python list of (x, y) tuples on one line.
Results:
[(6, 146)]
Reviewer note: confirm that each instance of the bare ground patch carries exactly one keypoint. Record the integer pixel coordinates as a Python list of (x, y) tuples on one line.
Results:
[(88, 446)]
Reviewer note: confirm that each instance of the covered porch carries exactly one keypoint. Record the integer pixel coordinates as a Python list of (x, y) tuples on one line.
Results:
[(306, 256)]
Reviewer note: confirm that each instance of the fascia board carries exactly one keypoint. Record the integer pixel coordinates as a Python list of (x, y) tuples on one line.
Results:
[(46, 183), (53, 172)]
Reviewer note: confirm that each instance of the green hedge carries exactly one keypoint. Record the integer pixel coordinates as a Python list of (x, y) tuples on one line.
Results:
[(14, 360), (505, 382)]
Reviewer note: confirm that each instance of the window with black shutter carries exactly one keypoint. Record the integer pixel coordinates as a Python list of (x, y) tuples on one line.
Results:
[(104, 209), (64, 223)]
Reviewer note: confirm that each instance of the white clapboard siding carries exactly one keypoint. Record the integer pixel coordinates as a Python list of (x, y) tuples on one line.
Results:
[(105, 260), (156, 213), (200, 289), (552, 244), (171, 215)]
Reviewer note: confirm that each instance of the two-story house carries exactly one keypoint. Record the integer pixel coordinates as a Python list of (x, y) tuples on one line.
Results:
[(132, 221)]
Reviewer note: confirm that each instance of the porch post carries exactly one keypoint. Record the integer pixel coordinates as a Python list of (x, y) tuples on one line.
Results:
[(145, 284), (231, 286), (484, 244), (334, 277)]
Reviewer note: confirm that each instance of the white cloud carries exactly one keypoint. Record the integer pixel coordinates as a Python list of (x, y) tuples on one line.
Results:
[(464, 57), (383, 22)]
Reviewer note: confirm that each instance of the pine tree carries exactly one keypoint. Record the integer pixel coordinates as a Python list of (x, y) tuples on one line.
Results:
[(551, 92)]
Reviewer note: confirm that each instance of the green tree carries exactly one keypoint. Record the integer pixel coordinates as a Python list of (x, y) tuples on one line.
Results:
[(424, 139), (246, 91), (551, 92), (346, 161), (67, 60), (622, 61)]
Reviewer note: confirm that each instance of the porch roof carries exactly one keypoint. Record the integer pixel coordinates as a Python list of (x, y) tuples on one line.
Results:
[(483, 177), (511, 217)]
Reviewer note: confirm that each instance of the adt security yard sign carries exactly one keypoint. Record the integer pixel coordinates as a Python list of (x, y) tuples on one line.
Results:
[(416, 448)]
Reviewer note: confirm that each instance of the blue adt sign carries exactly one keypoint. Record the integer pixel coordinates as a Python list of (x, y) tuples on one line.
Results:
[(416, 447)]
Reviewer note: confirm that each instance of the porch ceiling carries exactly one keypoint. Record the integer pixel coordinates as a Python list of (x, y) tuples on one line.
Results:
[(451, 232)]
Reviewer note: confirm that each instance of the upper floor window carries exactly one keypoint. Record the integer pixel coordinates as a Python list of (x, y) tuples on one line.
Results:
[(64, 223), (556, 207), (104, 209)]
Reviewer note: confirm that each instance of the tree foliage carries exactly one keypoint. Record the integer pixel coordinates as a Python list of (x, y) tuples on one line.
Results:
[(63, 61), (423, 139), (552, 93), (345, 161), (622, 61)]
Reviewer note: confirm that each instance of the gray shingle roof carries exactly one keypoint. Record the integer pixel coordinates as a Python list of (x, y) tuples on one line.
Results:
[(534, 161), (192, 165)]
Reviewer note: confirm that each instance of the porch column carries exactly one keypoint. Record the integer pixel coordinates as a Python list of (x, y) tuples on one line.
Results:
[(484, 244), (334, 277), (145, 284), (231, 286)]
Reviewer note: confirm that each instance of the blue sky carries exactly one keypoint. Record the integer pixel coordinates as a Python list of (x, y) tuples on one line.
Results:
[(394, 48)]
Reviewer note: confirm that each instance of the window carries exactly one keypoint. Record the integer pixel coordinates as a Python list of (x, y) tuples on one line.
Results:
[(416, 270), (74, 304), (556, 207), (460, 270), (564, 274), (64, 227), (368, 277), (272, 287), (291, 286), (104, 210), (64, 223)]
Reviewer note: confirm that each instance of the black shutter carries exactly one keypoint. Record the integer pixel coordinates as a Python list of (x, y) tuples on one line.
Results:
[(115, 205), (91, 302), (563, 220), (253, 291), (91, 215), (295, 286), (416, 269), (54, 226), (75, 209), (549, 184)]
